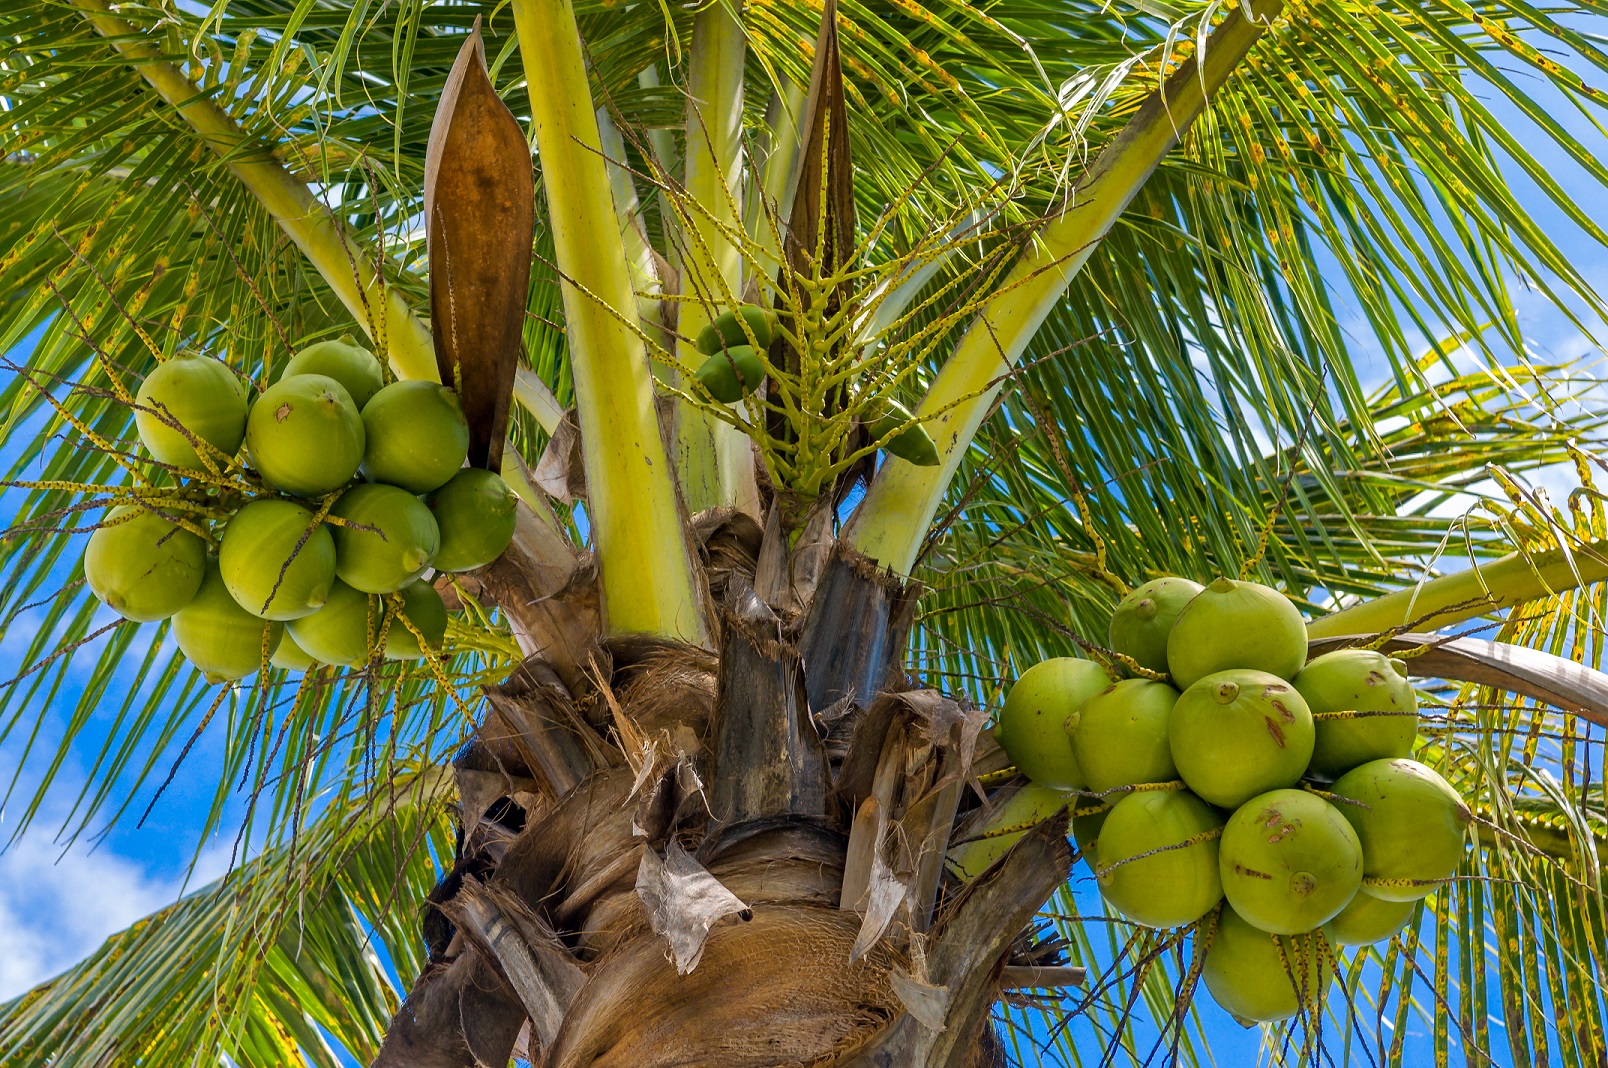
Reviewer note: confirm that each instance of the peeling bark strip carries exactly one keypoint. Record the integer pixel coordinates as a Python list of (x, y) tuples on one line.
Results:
[(854, 633), (527, 954), (448, 1009), (769, 760), (544, 728), (683, 902)]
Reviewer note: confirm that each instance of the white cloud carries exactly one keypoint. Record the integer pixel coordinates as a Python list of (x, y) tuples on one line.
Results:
[(55, 909)]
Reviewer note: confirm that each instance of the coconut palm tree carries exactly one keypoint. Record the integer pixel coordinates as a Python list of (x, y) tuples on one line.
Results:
[(680, 786)]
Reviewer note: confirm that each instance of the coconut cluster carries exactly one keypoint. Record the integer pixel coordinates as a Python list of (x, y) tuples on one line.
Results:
[(353, 493), (1233, 778)]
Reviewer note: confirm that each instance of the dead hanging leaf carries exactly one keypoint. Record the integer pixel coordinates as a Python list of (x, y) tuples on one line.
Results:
[(683, 901), (561, 472), (479, 209), (1558, 682)]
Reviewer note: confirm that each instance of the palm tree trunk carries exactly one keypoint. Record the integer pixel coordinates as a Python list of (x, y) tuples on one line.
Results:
[(660, 858)]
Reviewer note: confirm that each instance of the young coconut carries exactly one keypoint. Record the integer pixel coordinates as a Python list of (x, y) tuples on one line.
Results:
[(1411, 823), (1367, 920), (1144, 618), (389, 537), (913, 444), (305, 435), (290, 656), (1262, 978), (276, 563), (731, 374), (1120, 735), (726, 331), (1236, 625), (475, 513), (423, 607), (344, 630), (1358, 680), (224, 641), (987, 834), (1146, 871), (1240, 733), (416, 436), (1289, 861), (1032, 725), (142, 566), (344, 360), (204, 396)]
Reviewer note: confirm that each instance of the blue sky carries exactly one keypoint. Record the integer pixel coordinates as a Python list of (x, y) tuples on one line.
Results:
[(57, 904)]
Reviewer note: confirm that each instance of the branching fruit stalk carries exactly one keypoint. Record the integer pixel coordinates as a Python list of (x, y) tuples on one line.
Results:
[(647, 574), (891, 523)]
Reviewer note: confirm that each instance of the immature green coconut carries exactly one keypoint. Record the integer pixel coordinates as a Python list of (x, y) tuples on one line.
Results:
[(726, 331), (1145, 871), (914, 443), (1358, 680), (1411, 823), (276, 563), (305, 435), (388, 539), (224, 641), (1367, 920), (475, 513), (344, 630), (204, 396), (986, 837), (1144, 618), (290, 656), (417, 435), (142, 566), (1033, 724), (1240, 733), (1262, 978), (1120, 735), (1233, 624), (1290, 862), (344, 360), (423, 607), (731, 374)]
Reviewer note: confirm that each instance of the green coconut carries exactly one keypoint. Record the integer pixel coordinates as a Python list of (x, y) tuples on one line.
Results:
[(475, 513), (305, 435), (1144, 618), (1120, 735), (1240, 733), (987, 834), (388, 539), (1262, 978), (731, 375), (417, 436), (290, 656), (344, 630), (1231, 625), (1145, 872), (913, 443), (204, 396), (423, 607), (1032, 725), (1358, 680), (276, 563), (224, 641), (726, 329), (143, 567), (1086, 830), (1290, 862), (344, 360), (1412, 825), (1367, 920)]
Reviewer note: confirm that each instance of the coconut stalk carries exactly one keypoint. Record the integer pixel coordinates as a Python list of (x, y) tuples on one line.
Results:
[(647, 574), (1484, 588), (714, 459), (890, 524)]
